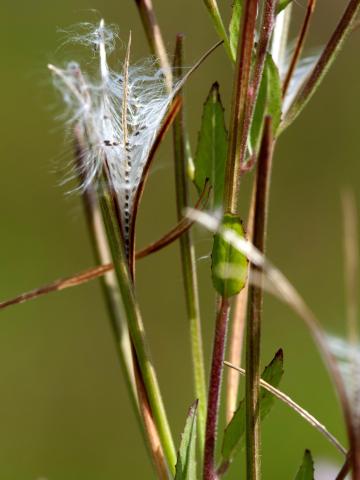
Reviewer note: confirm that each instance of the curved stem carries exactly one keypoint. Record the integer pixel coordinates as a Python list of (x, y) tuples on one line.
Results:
[(333, 47), (299, 45)]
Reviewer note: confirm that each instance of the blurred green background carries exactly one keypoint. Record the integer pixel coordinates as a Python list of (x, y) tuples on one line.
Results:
[(64, 410)]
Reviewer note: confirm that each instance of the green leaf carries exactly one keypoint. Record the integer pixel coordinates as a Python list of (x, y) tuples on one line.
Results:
[(234, 27), (228, 266), (282, 5), (186, 459), (235, 431), (274, 98), (211, 153), (306, 471)]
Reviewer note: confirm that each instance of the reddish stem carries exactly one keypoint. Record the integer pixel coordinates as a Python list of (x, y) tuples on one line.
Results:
[(215, 389)]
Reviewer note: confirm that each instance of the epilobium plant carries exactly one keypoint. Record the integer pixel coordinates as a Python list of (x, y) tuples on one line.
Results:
[(118, 118)]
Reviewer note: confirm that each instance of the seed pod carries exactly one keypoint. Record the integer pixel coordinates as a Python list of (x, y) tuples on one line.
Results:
[(229, 266)]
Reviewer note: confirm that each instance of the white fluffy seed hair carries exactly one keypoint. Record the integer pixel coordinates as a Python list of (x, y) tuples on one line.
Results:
[(118, 114)]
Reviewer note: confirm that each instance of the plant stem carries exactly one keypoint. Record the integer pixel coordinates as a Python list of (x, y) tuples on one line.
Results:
[(215, 389), (214, 12), (343, 29), (314, 422), (299, 45), (137, 333), (188, 263), (238, 109), (253, 331), (153, 33)]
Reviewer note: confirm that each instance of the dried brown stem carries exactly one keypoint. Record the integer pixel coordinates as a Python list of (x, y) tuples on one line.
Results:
[(253, 331), (299, 45), (343, 29), (209, 472), (239, 102), (296, 407)]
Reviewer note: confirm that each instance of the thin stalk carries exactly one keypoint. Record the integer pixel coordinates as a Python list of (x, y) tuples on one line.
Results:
[(344, 469), (137, 333), (209, 472), (253, 331), (314, 422), (240, 305), (266, 29), (188, 263), (299, 45), (331, 50), (350, 228), (153, 33), (213, 9), (238, 106)]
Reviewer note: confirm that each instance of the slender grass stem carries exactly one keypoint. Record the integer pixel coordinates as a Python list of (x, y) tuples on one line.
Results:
[(137, 334), (331, 50), (188, 263), (253, 331), (215, 14), (314, 422), (219, 345), (299, 45), (154, 36)]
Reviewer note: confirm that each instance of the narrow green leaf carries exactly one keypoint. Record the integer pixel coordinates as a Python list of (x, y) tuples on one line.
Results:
[(234, 27), (306, 471), (186, 458), (235, 431), (282, 5), (211, 153), (272, 374), (274, 98), (228, 266)]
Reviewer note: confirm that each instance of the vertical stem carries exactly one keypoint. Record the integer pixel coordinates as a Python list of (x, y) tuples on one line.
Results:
[(214, 12), (137, 333), (253, 332), (238, 111), (153, 33), (215, 388), (299, 45), (188, 262)]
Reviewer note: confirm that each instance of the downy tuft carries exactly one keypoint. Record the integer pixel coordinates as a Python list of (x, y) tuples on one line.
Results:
[(117, 113)]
